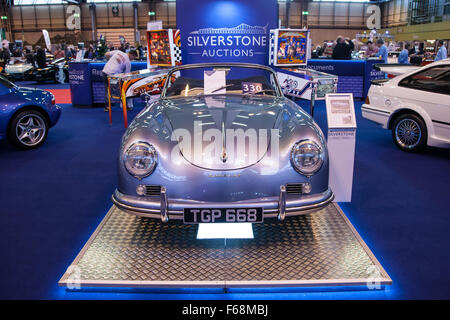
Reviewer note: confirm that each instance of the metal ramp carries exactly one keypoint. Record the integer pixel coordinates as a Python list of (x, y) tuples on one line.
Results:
[(321, 249)]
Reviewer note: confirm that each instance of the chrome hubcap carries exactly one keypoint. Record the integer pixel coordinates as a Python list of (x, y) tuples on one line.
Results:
[(408, 133), (30, 129)]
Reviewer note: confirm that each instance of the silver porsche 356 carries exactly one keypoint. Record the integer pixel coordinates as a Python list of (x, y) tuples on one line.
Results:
[(222, 144)]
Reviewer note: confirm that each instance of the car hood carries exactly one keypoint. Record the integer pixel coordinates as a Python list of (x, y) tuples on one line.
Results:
[(41, 96), (223, 132), (18, 67)]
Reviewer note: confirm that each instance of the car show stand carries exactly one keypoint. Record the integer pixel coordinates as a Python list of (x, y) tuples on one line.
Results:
[(317, 250)]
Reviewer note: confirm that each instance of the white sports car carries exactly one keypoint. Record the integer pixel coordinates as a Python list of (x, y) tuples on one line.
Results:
[(414, 105)]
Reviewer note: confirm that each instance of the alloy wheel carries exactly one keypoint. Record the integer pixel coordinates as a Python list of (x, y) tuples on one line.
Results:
[(30, 129), (408, 133)]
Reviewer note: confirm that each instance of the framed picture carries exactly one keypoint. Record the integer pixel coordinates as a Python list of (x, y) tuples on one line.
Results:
[(164, 47), (291, 47), (340, 110)]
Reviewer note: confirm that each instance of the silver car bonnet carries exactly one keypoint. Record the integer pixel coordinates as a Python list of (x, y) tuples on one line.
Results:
[(225, 116)]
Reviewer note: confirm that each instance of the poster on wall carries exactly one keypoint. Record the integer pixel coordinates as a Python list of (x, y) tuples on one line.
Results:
[(159, 48), (164, 47), (291, 47)]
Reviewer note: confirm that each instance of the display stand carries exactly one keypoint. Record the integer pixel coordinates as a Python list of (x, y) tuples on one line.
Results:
[(315, 250), (124, 86), (341, 144), (164, 52)]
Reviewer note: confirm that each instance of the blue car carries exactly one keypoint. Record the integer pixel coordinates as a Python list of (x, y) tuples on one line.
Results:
[(26, 114)]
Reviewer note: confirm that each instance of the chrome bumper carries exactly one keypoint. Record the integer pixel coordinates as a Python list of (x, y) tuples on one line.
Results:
[(173, 209)]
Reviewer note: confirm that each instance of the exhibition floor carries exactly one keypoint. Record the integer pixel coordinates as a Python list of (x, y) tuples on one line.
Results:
[(53, 198)]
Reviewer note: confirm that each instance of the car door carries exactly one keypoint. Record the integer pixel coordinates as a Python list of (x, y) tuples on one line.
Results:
[(5, 86), (430, 89)]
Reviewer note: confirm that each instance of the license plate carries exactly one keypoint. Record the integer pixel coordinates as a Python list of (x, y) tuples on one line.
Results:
[(223, 215)]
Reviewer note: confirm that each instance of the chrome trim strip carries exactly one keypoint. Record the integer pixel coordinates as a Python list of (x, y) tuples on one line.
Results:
[(164, 205), (363, 108), (282, 204), (175, 207)]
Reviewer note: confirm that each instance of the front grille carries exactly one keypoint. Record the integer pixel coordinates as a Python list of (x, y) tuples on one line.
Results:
[(153, 190), (294, 188)]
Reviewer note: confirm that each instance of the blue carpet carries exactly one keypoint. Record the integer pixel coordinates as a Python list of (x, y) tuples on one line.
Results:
[(53, 198)]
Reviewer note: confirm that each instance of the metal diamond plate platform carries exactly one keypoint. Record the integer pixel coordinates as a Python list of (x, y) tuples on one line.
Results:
[(321, 249)]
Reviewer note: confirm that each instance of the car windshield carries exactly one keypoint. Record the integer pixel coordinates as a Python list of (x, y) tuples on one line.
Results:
[(5, 82), (196, 80)]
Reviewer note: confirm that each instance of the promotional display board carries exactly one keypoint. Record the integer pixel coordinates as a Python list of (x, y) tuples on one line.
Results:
[(164, 47), (226, 31), (289, 54), (341, 144), (80, 84), (302, 82)]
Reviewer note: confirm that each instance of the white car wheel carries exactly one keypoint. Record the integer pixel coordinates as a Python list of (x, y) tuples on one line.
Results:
[(409, 133)]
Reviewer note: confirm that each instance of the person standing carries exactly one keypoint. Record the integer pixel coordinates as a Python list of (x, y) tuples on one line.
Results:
[(118, 62), (371, 49), (342, 50), (328, 52), (382, 51), (29, 56), (58, 53), (5, 54), (403, 56), (89, 54), (41, 58), (442, 52)]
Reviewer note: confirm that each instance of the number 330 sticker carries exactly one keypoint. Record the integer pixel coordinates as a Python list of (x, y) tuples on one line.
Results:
[(251, 87)]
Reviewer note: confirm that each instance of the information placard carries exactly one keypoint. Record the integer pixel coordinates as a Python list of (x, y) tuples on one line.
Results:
[(341, 144), (340, 111)]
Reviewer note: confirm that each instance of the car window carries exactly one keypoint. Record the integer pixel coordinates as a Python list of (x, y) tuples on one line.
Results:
[(436, 79), (213, 80)]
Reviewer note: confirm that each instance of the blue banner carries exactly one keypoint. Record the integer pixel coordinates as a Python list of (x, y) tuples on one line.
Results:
[(80, 83), (226, 31), (338, 67)]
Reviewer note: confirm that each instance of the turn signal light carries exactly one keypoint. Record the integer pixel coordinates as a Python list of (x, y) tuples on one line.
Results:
[(367, 100)]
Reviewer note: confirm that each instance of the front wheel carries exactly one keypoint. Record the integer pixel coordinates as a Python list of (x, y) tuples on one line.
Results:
[(409, 133), (28, 129)]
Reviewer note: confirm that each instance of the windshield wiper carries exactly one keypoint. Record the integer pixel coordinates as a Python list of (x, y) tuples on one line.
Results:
[(222, 87)]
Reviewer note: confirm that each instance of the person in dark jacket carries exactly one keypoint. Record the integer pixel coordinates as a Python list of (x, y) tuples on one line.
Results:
[(41, 59), (342, 50), (29, 56)]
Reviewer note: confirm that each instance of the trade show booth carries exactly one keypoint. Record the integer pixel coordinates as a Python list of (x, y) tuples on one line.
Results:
[(295, 236), (87, 88)]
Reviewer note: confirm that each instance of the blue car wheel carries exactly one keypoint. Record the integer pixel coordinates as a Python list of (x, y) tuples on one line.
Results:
[(28, 129)]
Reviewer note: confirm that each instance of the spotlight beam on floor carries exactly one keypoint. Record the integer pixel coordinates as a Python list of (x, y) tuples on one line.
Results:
[(225, 231)]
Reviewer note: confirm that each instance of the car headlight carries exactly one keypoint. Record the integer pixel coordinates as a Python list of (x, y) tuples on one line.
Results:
[(140, 159), (307, 157)]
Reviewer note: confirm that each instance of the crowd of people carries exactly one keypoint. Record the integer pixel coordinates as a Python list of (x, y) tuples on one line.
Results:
[(412, 54), (38, 55), (342, 49)]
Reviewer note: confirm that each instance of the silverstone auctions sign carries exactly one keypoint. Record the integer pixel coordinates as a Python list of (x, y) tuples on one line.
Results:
[(226, 31)]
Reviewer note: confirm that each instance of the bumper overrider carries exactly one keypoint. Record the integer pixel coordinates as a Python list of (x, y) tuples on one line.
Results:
[(160, 207)]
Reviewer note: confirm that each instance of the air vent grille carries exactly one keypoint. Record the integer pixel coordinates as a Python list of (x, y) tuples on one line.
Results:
[(153, 190), (294, 188)]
